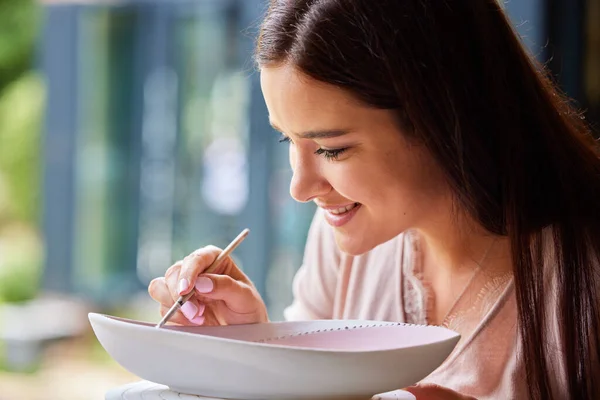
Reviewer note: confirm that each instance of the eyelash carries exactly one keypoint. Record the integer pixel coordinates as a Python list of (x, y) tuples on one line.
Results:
[(331, 155)]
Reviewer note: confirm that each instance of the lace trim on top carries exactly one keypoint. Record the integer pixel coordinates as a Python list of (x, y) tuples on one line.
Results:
[(486, 298), (419, 299), (417, 294)]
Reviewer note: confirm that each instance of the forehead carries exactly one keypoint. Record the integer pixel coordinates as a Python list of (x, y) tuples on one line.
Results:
[(296, 101)]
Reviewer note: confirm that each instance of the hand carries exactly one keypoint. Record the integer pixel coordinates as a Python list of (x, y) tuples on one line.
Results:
[(224, 297), (435, 392)]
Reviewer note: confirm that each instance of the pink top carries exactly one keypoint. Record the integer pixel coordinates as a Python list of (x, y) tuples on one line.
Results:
[(384, 284)]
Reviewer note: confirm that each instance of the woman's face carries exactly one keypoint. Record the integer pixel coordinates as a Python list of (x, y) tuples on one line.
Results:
[(352, 161)]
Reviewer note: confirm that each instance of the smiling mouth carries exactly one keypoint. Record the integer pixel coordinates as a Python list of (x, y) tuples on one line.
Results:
[(344, 210)]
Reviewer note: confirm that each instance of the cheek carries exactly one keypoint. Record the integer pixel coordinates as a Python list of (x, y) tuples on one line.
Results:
[(413, 185), (384, 185), (356, 181)]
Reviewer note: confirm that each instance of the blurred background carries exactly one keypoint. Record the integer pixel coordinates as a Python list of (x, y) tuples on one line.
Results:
[(133, 132)]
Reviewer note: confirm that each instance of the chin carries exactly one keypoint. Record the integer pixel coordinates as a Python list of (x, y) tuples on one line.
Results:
[(355, 245)]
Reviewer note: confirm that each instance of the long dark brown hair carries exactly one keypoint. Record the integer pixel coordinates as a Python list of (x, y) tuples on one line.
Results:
[(518, 156)]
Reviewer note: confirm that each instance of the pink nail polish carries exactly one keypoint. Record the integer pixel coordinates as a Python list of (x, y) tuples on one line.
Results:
[(201, 309), (183, 285), (204, 285), (189, 310), (199, 320)]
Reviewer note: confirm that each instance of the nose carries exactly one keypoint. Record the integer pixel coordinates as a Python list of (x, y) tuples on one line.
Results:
[(307, 181)]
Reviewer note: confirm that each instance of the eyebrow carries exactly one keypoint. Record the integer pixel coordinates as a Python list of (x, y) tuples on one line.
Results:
[(324, 134)]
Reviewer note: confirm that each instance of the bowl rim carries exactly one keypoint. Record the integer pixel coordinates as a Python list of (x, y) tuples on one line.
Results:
[(453, 335)]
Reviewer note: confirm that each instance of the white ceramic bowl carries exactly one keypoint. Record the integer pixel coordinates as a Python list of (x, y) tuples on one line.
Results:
[(330, 359)]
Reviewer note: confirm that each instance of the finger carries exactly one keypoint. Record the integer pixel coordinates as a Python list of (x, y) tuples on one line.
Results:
[(210, 317), (193, 311), (435, 392), (172, 280), (194, 264), (179, 318), (238, 296), (159, 291), (174, 267)]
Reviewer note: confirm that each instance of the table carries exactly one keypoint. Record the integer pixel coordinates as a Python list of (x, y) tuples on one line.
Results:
[(145, 390)]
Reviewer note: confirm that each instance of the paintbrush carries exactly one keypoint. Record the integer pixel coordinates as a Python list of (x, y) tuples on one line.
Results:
[(182, 299)]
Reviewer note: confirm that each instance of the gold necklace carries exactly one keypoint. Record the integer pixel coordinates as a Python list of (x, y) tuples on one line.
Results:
[(460, 296)]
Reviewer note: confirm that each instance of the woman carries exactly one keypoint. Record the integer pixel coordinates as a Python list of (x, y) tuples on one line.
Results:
[(456, 187)]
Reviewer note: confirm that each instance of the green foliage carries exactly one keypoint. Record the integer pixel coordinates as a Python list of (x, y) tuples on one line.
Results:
[(22, 95), (21, 111), (20, 265), (19, 20)]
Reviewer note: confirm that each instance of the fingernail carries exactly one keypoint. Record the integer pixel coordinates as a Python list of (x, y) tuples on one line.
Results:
[(204, 285), (183, 285), (201, 308), (190, 310), (199, 320)]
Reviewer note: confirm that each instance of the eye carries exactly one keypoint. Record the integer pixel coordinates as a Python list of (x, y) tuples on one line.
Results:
[(284, 139), (330, 154)]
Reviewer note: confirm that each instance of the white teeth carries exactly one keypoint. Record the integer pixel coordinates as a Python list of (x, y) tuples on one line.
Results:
[(343, 210)]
